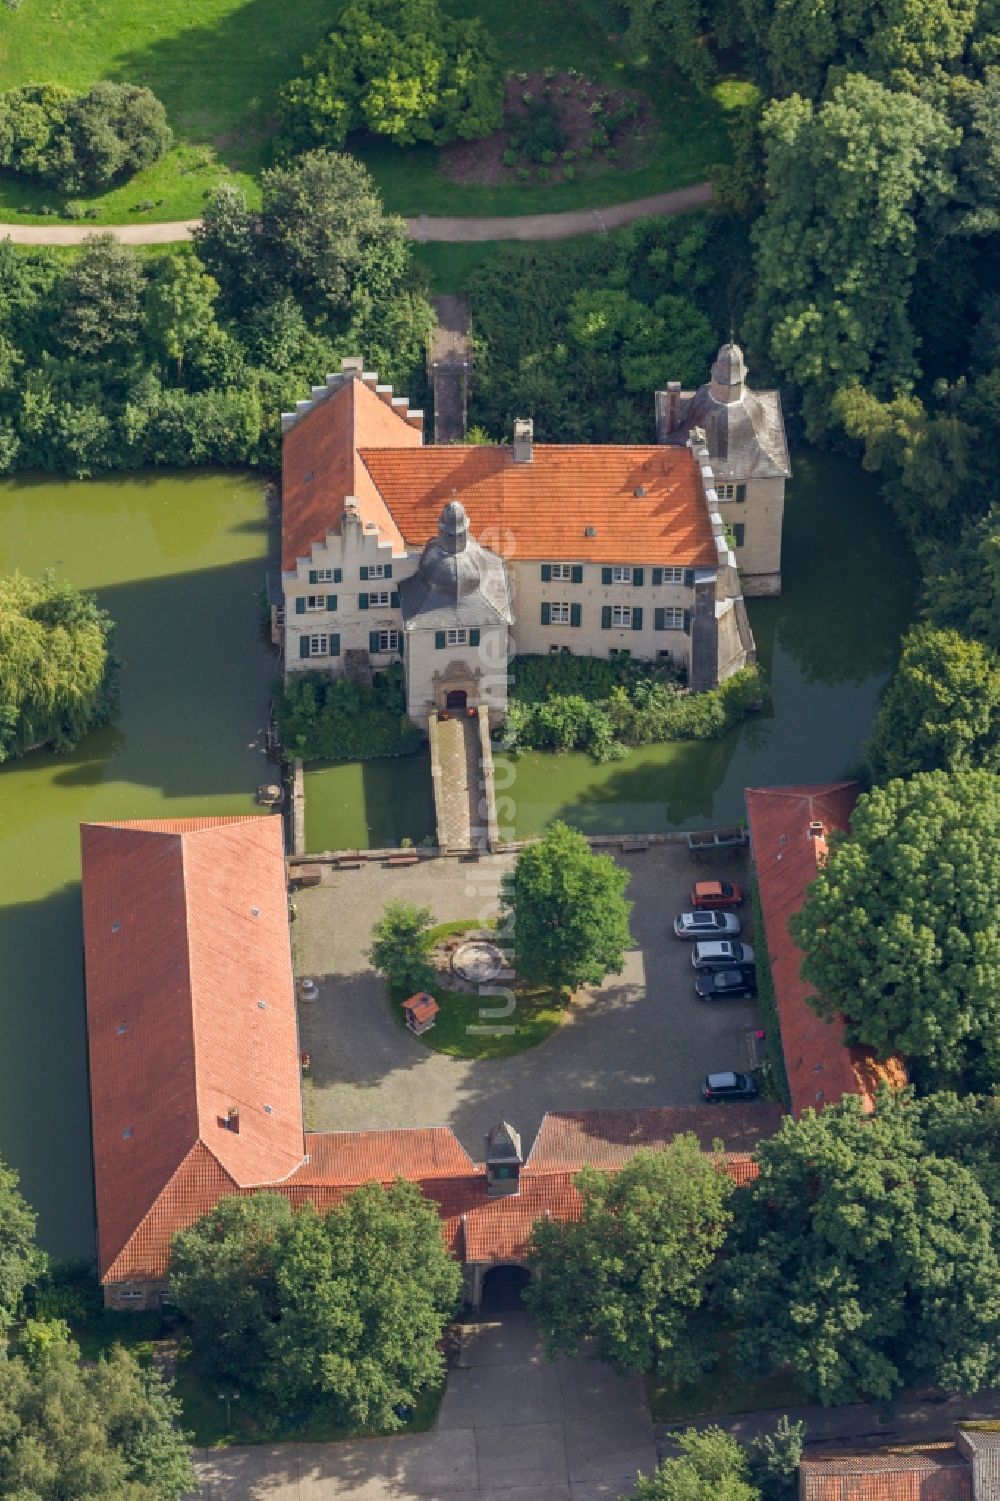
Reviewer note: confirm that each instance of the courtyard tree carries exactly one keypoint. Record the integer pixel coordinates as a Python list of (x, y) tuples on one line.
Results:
[(180, 307), (342, 1310), (401, 946), (941, 710), (101, 297), (635, 1267), (862, 1259), (850, 183), (402, 69), (56, 667), (900, 929), (712, 1466), (21, 1262), (566, 910), (96, 1431)]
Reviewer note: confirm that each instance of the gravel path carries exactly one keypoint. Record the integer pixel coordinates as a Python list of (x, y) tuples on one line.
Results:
[(422, 229)]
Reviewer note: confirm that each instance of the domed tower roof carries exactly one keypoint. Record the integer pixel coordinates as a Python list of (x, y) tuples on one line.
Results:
[(458, 582), (729, 373)]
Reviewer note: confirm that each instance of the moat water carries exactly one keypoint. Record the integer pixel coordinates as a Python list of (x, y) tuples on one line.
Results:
[(827, 646), (178, 560)]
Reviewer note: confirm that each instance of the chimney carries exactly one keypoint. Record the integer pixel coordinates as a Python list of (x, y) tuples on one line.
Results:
[(351, 365), (668, 410), (816, 829), (233, 1119), (524, 435)]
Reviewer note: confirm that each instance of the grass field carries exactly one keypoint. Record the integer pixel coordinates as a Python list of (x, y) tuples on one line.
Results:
[(217, 66)]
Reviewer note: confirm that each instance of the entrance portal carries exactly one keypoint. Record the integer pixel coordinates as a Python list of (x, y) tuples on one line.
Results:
[(457, 699), (502, 1288)]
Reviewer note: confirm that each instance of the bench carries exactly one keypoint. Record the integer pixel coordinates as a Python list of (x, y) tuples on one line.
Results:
[(307, 875), (634, 846), (350, 863), (407, 857)]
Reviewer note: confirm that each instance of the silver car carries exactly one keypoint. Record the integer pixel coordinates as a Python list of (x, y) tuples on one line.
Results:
[(721, 953), (706, 924)]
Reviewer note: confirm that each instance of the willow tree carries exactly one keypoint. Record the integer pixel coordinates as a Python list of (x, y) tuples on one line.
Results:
[(56, 667)]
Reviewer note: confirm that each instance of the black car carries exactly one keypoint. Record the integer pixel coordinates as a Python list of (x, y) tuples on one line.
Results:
[(719, 1087), (721, 984)]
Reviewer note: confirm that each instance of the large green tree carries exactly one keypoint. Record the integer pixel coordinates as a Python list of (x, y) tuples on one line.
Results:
[(56, 668), (567, 911), (849, 183), (21, 1262), (401, 946), (863, 1260), (344, 1309), (633, 1270), (941, 710), (901, 929), (712, 1466), (180, 307), (402, 69), (105, 1431), (101, 295)]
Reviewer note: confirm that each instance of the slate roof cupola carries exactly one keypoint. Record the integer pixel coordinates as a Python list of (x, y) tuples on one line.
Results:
[(504, 1161), (729, 373), (458, 582)]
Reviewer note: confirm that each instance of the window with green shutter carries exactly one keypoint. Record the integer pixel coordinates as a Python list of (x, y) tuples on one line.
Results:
[(636, 618), (387, 571), (546, 612), (300, 606), (576, 614), (741, 492), (373, 641), (605, 575), (638, 575), (303, 646), (659, 620), (687, 622), (364, 573), (689, 578), (394, 600), (335, 645), (338, 575), (577, 573), (313, 575), (657, 579), (331, 601), (362, 601), (474, 636), (605, 617), (546, 573), (439, 640), (739, 532)]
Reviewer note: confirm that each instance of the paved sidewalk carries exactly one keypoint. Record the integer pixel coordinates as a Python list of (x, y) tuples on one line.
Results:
[(423, 228), (512, 1427)]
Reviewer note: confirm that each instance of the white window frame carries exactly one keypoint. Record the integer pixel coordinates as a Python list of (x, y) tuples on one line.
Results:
[(559, 613), (621, 617), (319, 644), (562, 573), (315, 603), (388, 640), (621, 574), (673, 618), (324, 575), (726, 492), (673, 575), (379, 600), (376, 570), (457, 636)]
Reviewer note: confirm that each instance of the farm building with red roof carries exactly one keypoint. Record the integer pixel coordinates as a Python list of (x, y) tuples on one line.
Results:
[(392, 549)]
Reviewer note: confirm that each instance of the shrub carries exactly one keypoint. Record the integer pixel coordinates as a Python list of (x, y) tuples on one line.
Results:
[(540, 131), (400, 69), (82, 142), (332, 719)]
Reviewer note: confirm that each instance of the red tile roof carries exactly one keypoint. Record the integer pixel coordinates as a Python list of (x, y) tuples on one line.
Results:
[(352, 443), (933, 1474), (320, 467), (543, 509), (353, 1157), (567, 1139), (190, 1014), (421, 1007), (821, 1066)]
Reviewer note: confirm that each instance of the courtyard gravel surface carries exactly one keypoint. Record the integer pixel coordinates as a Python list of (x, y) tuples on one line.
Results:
[(641, 1039)]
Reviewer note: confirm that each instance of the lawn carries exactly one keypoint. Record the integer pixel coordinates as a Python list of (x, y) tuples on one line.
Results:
[(476, 1026), (217, 66)]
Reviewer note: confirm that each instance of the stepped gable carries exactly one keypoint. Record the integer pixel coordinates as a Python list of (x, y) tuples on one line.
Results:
[(586, 502), (321, 466), (788, 836), (190, 1016)]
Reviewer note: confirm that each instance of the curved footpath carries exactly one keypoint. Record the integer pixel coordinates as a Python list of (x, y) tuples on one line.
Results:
[(422, 229)]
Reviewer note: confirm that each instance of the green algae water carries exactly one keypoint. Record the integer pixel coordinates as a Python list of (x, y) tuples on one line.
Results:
[(827, 646), (178, 561)]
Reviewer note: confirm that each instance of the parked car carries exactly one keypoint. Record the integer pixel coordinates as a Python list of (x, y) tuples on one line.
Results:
[(725, 984), (720, 894), (705, 924), (719, 1087), (721, 953)]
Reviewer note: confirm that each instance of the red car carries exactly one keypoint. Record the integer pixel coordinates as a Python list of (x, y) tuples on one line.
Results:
[(718, 894)]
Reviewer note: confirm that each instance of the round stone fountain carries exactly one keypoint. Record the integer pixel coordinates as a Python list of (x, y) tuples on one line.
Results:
[(478, 961)]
